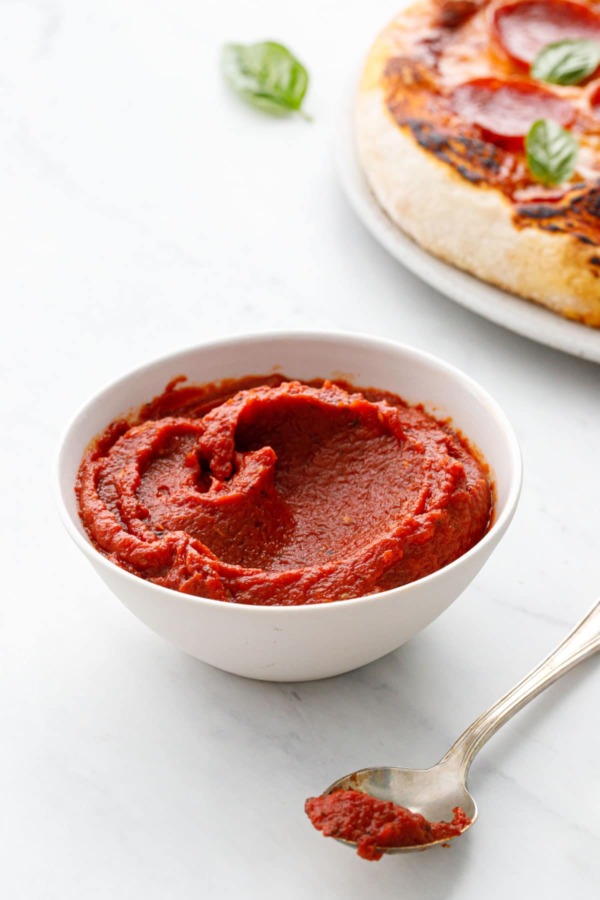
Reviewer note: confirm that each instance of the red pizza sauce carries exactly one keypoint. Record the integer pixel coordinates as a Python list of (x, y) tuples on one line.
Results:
[(374, 825), (274, 492)]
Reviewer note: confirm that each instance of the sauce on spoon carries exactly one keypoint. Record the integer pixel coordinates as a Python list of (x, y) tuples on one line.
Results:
[(373, 824)]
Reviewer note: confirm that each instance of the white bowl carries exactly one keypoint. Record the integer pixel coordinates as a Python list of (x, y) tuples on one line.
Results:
[(303, 642)]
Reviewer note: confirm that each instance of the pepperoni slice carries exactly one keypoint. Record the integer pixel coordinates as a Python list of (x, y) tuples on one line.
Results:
[(524, 27), (505, 110), (595, 101)]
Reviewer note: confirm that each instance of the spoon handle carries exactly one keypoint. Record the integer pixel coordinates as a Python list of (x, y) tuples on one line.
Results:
[(581, 642)]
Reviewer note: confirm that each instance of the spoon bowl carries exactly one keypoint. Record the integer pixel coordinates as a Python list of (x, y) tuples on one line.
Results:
[(431, 792)]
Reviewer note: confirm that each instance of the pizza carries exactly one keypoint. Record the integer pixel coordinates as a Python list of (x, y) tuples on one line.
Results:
[(478, 129)]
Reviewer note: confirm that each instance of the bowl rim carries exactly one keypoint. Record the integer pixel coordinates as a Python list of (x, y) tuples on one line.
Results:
[(499, 524)]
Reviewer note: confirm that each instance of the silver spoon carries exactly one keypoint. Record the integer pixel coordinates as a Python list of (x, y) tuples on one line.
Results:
[(436, 791)]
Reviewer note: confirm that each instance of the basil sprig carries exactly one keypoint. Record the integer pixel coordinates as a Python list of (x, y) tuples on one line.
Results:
[(266, 75), (551, 152), (566, 62)]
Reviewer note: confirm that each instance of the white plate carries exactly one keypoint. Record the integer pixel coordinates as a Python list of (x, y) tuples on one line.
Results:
[(499, 306)]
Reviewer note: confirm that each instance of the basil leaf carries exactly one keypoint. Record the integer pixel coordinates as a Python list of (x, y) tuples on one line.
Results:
[(551, 152), (566, 62), (266, 75)]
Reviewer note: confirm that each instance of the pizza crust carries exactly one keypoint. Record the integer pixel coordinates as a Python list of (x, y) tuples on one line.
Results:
[(466, 225)]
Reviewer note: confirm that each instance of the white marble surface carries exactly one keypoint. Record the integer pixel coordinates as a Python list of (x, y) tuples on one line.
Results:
[(144, 208)]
